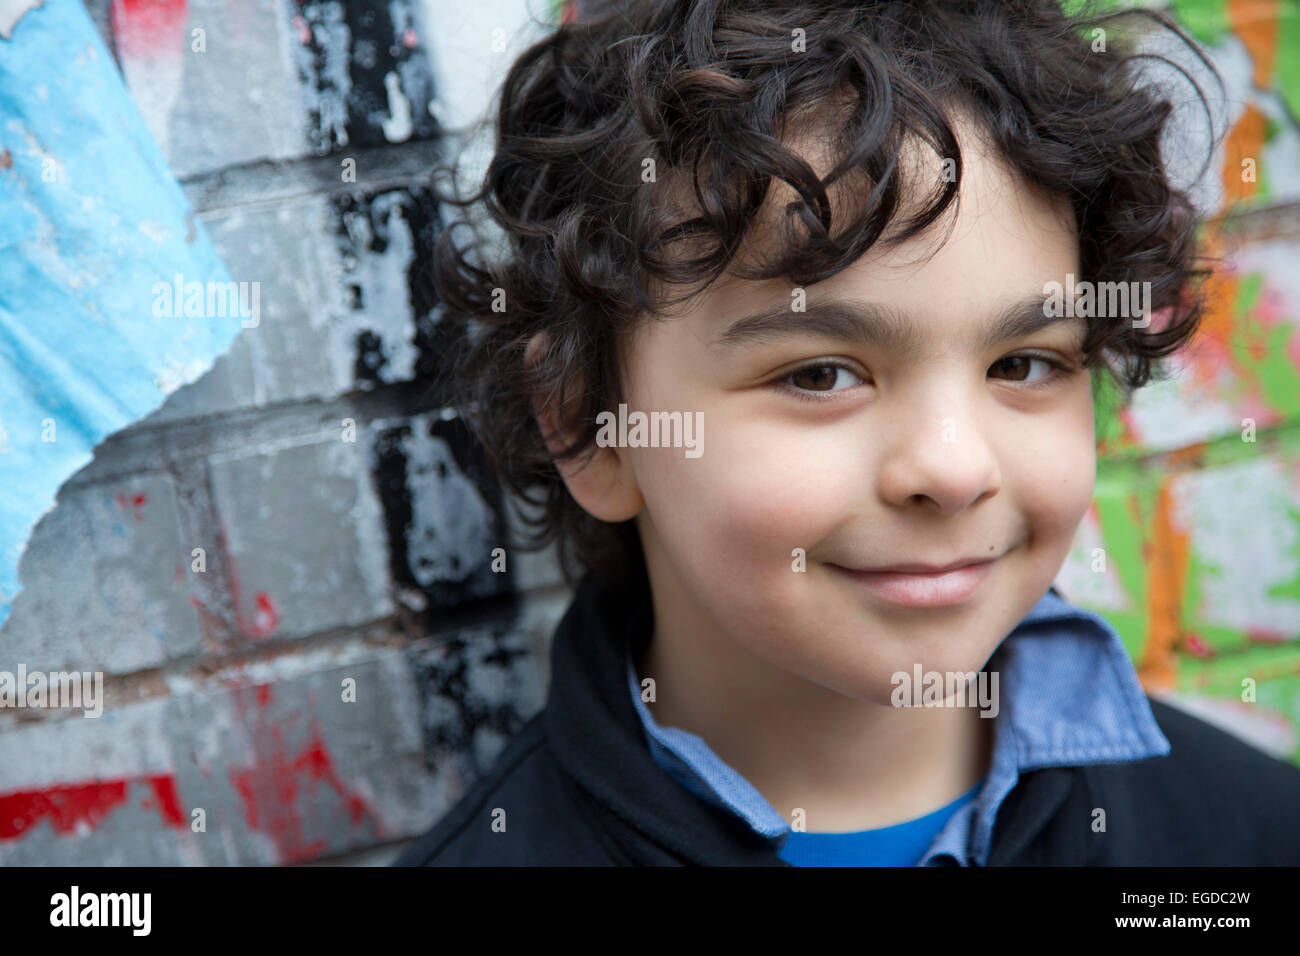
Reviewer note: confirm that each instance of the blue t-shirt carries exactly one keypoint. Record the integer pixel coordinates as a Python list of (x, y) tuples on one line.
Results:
[(903, 844)]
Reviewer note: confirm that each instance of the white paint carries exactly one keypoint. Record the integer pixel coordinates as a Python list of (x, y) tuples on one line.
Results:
[(1187, 135), (178, 372), (130, 740), (386, 297), (155, 230), (397, 128), (1182, 411), (11, 11), (467, 71), (449, 518), (1233, 510), (1276, 259)]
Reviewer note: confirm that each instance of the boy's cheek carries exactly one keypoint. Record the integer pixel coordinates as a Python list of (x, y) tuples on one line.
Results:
[(1055, 479), (754, 504)]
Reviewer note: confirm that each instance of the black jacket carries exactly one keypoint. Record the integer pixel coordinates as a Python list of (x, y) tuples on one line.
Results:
[(578, 786)]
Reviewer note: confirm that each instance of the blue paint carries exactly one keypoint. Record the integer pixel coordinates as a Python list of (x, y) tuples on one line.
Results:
[(80, 345)]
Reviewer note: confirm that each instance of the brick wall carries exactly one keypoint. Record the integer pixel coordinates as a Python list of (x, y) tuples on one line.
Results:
[(307, 520), (1192, 545)]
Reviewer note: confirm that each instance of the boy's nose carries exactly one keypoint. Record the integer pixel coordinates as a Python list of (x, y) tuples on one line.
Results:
[(945, 463)]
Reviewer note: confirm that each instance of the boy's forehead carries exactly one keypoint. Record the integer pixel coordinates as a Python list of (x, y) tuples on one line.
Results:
[(1001, 241)]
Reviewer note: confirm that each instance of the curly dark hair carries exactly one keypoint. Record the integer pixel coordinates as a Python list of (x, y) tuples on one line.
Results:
[(706, 88)]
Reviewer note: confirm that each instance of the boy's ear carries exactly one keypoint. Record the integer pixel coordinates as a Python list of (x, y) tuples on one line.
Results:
[(604, 485)]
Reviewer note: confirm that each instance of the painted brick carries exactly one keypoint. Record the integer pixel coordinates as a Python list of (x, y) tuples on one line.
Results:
[(304, 536), (284, 769), (104, 582), (442, 512), (478, 687), (274, 80), (344, 301)]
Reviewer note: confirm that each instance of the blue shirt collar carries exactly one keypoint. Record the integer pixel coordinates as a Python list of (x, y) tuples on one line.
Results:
[(1069, 696)]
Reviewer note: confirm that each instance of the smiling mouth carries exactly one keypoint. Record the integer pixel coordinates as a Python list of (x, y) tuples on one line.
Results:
[(908, 588)]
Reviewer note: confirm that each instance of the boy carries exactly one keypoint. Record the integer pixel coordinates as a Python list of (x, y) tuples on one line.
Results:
[(828, 634)]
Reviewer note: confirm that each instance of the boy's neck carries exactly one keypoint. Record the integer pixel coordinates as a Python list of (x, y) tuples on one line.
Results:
[(849, 765)]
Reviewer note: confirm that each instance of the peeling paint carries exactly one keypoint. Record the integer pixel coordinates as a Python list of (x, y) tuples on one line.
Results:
[(11, 11)]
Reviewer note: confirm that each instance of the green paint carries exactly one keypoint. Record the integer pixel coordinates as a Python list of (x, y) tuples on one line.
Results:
[(1275, 668), (1281, 441), (1131, 626), (1074, 8), (1199, 570), (1207, 20), (1277, 377), (1128, 477), (1282, 695), (1290, 590), (1116, 494), (1107, 400), (1222, 640)]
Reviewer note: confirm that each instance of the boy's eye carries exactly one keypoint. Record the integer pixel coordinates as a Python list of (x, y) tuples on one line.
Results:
[(823, 377), (1016, 368)]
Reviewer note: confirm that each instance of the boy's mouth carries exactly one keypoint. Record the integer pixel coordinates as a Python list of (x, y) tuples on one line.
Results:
[(920, 585)]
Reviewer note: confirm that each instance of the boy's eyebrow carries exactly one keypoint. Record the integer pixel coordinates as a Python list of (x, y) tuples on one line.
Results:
[(870, 323)]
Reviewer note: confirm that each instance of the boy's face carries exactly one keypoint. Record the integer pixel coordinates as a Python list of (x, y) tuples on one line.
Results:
[(866, 452)]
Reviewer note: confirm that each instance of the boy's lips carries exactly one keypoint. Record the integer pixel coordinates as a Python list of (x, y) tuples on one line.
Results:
[(899, 584), (916, 567)]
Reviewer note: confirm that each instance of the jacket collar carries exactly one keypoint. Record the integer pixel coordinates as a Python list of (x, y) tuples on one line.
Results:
[(596, 735), (1071, 698), (599, 739)]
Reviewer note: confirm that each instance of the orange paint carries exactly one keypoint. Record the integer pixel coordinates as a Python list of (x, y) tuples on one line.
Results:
[(1255, 22), (1210, 354), (1245, 141), (1168, 570)]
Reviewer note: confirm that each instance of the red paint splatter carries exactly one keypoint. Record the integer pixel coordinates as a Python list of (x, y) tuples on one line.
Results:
[(136, 502), (570, 11), (304, 31), (150, 29), (409, 39), (166, 799), (71, 806), (266, 616), (266, 619), (1197, 645), (273, 787), (6, 159), (1266, 635)]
